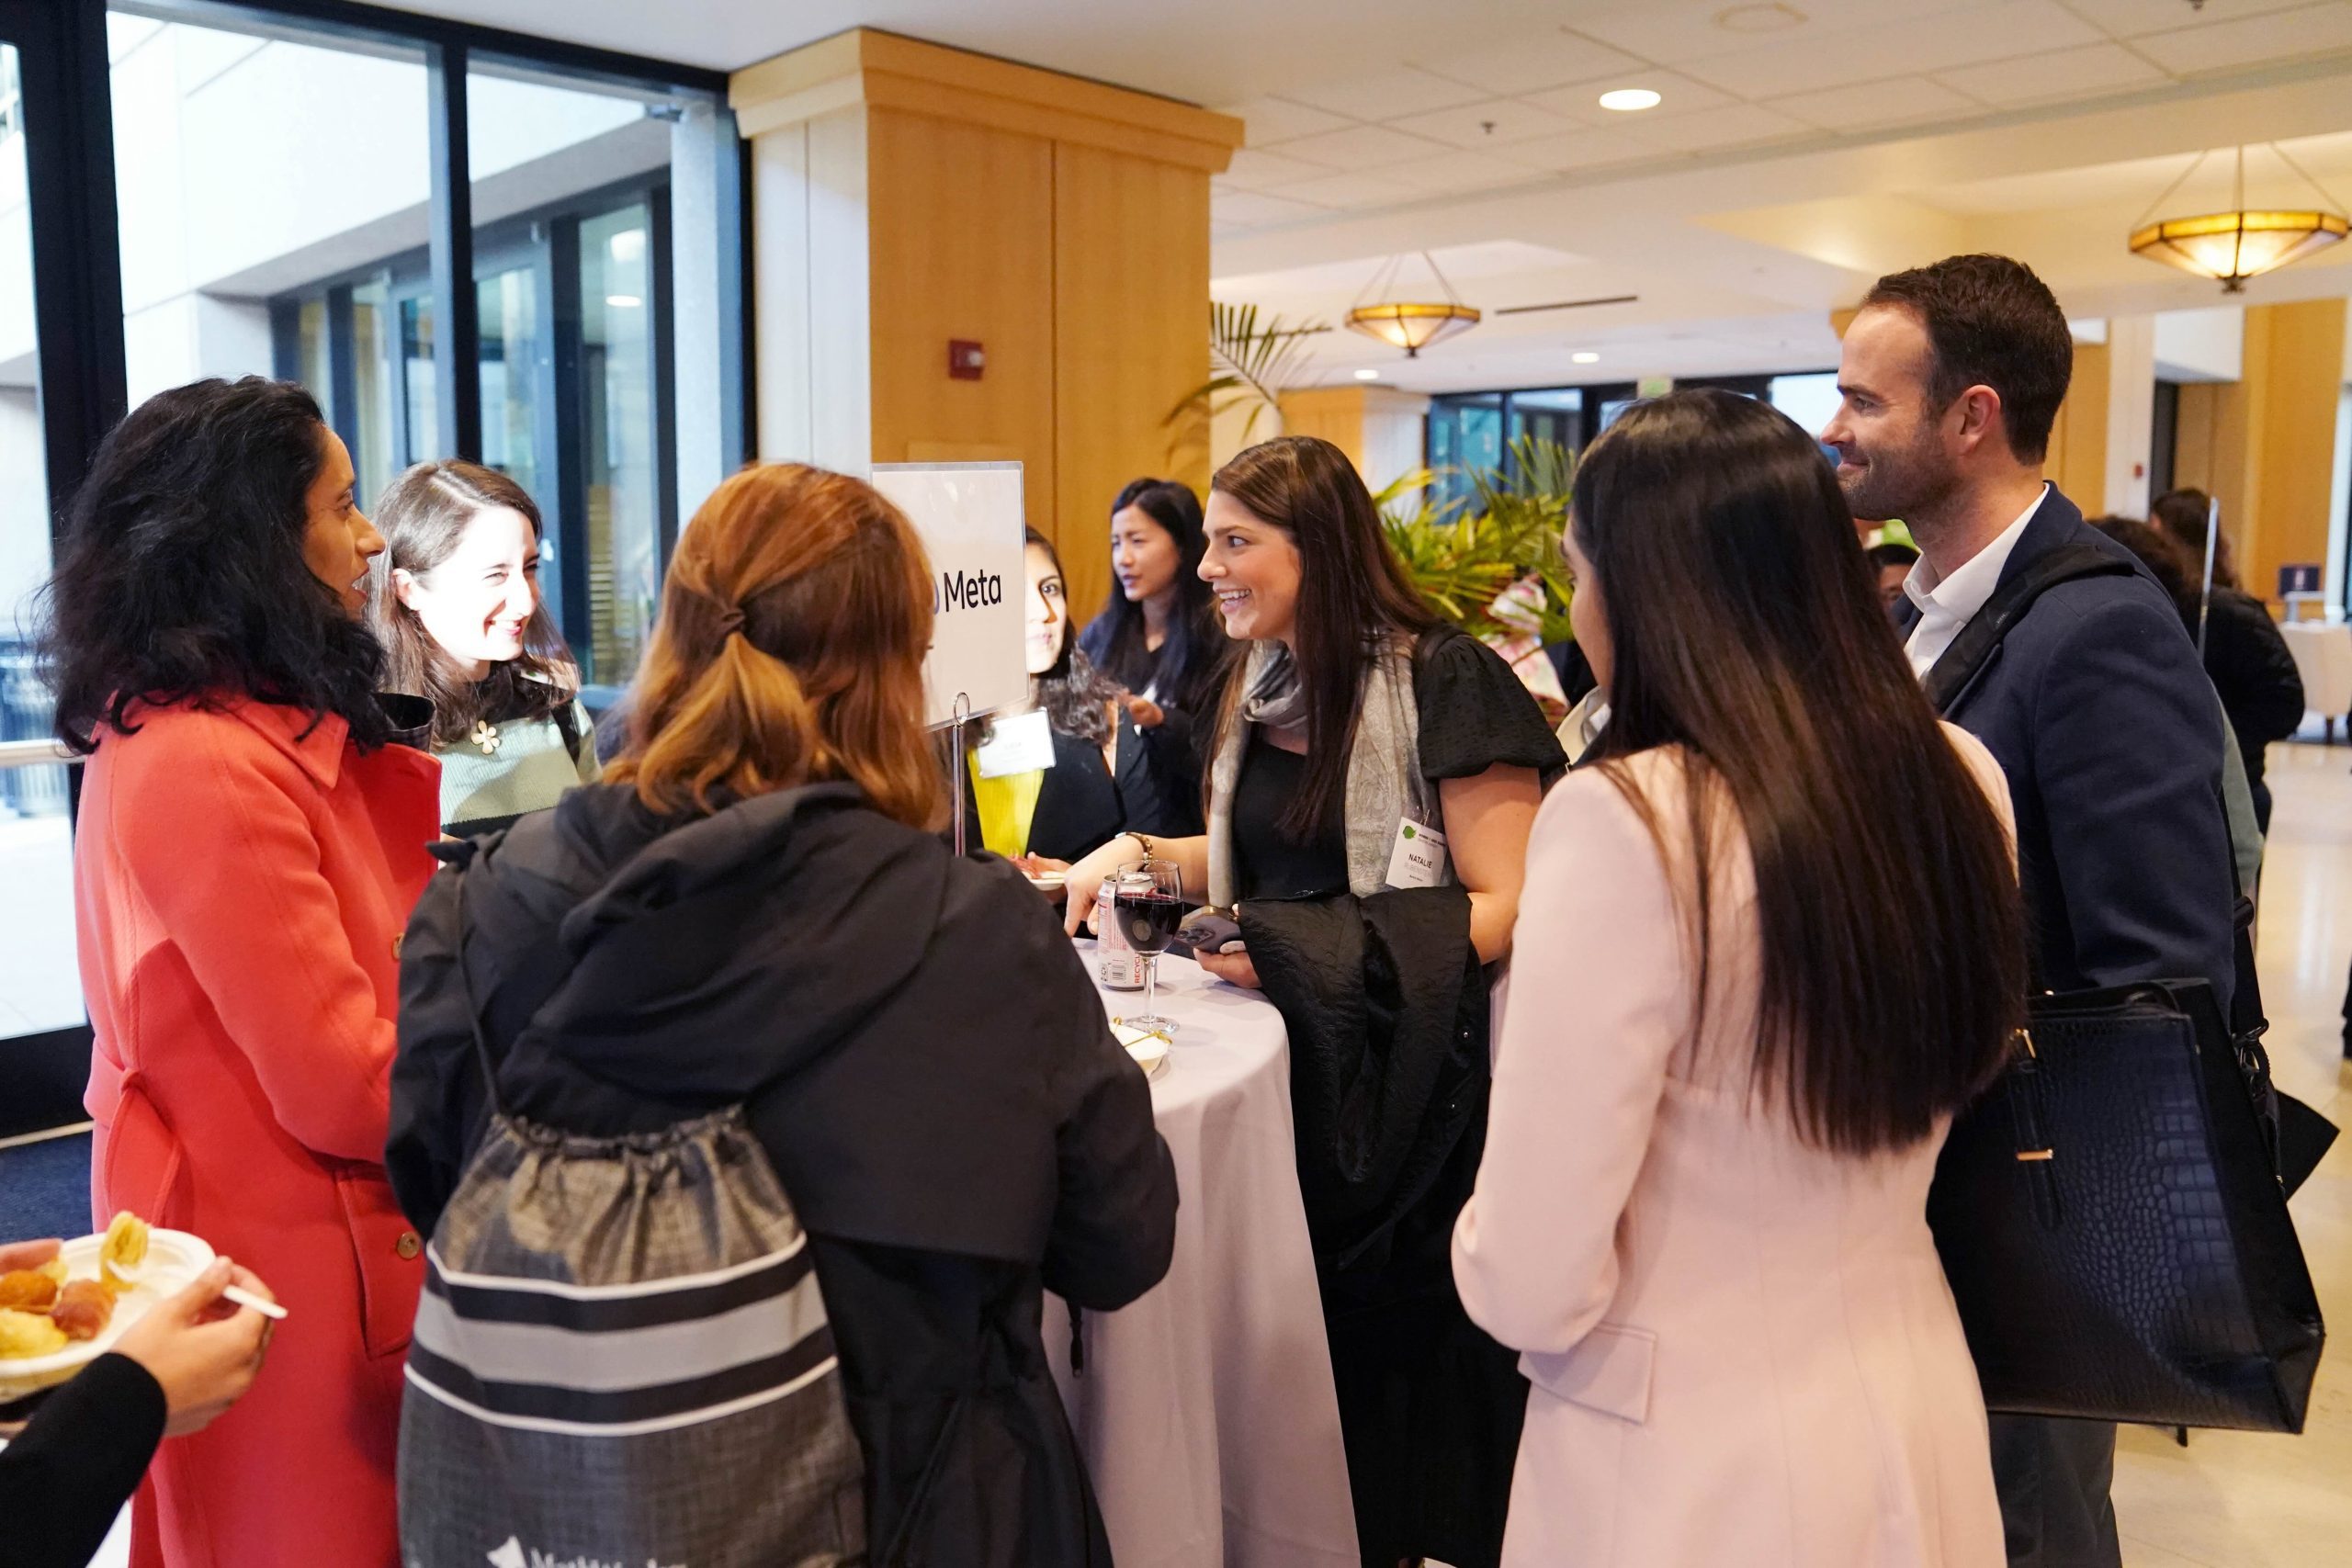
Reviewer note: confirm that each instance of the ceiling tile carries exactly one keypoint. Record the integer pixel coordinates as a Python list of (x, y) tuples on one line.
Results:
[(1581, 149), (1898, 48), (1254, 170), (2251, 40), (1360, 147), (2131, 18), (1252, 209), (1458, 171), (2068, 73), (1674, 31), (1677, 95), (1544, 60), (1735, 125), (1352, 190), (1386, 96), (1279, 119), (1496, 122), (1898, 101)]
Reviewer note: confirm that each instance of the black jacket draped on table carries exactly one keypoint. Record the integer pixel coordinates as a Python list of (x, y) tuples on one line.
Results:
[(918, 1049)]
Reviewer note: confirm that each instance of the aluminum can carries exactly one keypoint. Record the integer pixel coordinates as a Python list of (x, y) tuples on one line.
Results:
[(1118, 966)]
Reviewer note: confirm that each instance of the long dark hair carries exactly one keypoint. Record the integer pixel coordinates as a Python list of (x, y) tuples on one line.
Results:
[(1189, 667), (1744, 631), (2186, 514), (1074, 693), (423, 516), (1353, 600), (182, 579), (2179, 574)]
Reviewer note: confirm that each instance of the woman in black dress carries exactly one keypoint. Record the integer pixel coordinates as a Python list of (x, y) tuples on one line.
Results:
[(1159, 638), (1373, 775)]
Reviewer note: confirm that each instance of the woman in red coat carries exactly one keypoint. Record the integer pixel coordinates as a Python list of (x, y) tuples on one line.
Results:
[(251, 837)]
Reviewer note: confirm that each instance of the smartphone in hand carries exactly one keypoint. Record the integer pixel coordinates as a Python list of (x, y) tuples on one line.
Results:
[(1211, 929)]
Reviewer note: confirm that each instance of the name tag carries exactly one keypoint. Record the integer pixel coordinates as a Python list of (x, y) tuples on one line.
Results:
[(1024, 744), (1417, 859)]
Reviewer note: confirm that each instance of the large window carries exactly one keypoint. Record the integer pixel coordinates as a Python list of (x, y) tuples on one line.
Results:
[(1476, 432), (432, 225), (280, 193)]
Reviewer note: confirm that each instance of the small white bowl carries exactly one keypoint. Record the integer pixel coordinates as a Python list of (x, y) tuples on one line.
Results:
[(175, 1258)]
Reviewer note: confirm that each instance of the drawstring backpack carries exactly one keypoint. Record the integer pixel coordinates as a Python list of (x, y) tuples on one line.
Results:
[(622, 1358)]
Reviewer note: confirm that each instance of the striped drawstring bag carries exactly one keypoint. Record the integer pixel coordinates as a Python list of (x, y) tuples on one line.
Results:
[(622, 1360)]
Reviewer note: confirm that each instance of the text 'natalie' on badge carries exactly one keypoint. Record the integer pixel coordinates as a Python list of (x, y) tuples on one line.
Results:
[(970, 518)]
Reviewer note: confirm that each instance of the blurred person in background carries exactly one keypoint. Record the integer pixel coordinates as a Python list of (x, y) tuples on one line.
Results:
[(1160, 638), (2244, 651)]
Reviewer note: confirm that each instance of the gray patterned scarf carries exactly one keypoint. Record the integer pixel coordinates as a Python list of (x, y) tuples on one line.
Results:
[(1385, 780)]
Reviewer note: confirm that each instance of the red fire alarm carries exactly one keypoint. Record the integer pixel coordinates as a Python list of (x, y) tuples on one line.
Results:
[(965, 359)]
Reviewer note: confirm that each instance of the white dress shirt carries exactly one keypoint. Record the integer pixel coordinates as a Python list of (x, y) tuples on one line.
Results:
[(1948, 604)]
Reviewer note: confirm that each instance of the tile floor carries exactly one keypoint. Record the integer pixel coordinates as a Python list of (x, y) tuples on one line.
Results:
[(2241, 1500)]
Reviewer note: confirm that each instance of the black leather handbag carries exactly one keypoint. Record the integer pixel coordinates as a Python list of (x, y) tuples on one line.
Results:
[(2114, 1234), (2109, 1213)]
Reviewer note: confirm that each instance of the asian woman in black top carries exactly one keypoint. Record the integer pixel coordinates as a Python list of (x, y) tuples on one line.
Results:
[(1373, 775)]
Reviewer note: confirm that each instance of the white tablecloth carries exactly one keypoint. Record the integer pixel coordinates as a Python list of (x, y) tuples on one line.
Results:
[(1205, 1412)]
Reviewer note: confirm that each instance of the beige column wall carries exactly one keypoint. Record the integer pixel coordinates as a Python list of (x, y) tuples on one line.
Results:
[(910, 195), (1381, 429)]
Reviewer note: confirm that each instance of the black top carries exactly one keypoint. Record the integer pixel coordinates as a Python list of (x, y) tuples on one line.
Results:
[(919, 1052), (1266, 861), (1078, 805), (2252, 669), (1474, 713), (63, 1482)]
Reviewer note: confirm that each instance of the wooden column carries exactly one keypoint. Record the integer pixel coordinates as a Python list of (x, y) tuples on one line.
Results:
[(910, 195), (2076, 462), (2264, 444), (1381, 430)]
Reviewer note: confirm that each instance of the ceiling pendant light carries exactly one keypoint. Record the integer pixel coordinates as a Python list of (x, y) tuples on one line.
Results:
[(2243, 242), (1409, 325)]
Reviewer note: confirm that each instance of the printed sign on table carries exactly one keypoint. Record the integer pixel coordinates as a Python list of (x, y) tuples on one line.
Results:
[(972, 526)]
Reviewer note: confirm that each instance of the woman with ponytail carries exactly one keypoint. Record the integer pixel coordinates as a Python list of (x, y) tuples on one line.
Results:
[(755, 908)]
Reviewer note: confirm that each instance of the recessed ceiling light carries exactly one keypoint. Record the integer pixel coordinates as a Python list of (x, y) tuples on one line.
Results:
[(623, 301), (1627, 99), (1764, 19), (1587, 357), (1367, 374)]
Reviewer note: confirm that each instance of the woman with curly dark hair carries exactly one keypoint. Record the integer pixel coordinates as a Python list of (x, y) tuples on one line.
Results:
[(251, 840)]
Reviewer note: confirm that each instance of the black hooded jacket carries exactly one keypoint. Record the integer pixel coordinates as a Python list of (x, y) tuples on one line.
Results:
[(916, 1046)]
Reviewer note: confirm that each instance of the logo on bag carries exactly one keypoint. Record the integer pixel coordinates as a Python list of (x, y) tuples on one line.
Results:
[(515, 1555)]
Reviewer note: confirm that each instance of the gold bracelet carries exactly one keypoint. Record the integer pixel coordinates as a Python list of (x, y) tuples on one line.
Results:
[(1148, 852)]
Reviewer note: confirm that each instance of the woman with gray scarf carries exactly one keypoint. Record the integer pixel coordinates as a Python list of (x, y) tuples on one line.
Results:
[(1373, 778)]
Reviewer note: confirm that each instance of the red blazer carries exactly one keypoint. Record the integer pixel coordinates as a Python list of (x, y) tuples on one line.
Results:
[(240, 887)]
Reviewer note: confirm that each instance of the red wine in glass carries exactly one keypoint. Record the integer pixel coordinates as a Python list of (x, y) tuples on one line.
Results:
[(1150, 917), (1148, 900)]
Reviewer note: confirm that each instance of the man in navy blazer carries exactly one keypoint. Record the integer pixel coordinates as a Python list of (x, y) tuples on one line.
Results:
[(2095, 705)]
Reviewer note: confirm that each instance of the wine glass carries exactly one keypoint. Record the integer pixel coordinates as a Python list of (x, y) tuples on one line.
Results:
[(1148, 900)]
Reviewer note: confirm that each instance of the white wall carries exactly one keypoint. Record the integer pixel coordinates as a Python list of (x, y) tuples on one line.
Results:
[(2131, 412), (2200, 346)]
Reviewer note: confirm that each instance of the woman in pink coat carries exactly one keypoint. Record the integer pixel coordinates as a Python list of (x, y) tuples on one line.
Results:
[(1769, 942), (250, 841)]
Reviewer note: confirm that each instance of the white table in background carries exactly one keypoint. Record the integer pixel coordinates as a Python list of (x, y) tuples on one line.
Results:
[(1205, 1412)]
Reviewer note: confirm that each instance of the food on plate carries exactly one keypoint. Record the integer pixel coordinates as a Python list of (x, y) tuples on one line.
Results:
[(29, 1333), (83, 1309), (124, 1251), (32, 1289), (44, 1310)]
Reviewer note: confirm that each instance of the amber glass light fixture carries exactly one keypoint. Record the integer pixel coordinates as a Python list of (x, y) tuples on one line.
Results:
[(2243, 242), (1409, 325)]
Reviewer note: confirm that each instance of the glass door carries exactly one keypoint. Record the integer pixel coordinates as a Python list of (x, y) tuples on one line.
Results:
[(44, 1032)]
